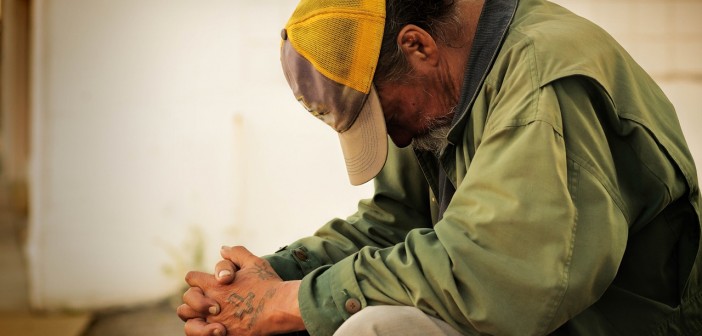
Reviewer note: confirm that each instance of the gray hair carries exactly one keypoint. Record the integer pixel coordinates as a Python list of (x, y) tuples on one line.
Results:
[(440, 18)]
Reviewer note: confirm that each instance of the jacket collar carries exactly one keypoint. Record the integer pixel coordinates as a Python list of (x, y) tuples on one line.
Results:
[(495, 19), (493, 24)]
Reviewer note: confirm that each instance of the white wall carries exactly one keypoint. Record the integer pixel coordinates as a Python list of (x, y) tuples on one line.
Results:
[(156, 122), (159, 121)]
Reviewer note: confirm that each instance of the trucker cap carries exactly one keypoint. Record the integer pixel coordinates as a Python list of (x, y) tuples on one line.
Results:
[(329, 53)]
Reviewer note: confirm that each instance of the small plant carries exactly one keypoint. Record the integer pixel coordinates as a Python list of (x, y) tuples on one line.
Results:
[(187, 256)]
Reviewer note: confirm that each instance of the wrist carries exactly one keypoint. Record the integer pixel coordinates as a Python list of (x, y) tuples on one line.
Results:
[(287, 316)]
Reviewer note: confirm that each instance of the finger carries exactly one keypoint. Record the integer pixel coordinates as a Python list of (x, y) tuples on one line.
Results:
[(225, 272), (203, 305), (186, 312), (198, 327), (200, 279), (238, 255)]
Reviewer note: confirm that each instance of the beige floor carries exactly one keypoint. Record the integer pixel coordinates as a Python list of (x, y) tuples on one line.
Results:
[(25, 324), (157, 319), (16, 319)]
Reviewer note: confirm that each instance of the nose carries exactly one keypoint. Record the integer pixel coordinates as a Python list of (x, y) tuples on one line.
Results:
[(399, 137)]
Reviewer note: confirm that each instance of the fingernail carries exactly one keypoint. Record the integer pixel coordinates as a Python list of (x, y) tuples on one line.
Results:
[(224, 273), (217, 332), (224, 247), (214, 310)]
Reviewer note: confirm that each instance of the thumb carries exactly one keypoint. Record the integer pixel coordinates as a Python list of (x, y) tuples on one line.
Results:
[(238, 255)]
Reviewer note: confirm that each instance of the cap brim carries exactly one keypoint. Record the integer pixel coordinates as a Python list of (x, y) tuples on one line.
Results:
[(365, 143)]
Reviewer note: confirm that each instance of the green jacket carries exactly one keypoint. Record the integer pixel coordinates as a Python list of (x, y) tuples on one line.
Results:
[(576, 208)]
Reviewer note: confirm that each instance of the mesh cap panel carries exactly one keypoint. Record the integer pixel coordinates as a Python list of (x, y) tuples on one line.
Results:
[(341, 38)]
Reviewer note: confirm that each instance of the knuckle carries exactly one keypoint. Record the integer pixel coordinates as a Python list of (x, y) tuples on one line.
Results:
[(188, 293), (193, 327), (239, 248), (180, 312)]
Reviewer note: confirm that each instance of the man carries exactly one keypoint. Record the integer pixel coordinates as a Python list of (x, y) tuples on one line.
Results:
[(548, 188)]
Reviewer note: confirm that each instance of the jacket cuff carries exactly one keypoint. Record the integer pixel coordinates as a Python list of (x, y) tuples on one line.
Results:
[(293, 262), (328, 296)]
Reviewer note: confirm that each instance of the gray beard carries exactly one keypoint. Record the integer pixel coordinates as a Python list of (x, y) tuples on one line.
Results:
[(434, 141)]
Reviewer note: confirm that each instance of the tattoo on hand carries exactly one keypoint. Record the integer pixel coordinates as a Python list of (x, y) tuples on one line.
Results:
[(238, 301), (263, 272), (244, 305)]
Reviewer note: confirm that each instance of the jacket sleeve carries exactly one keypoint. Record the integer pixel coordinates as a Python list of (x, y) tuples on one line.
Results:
[(532, 236), (400, 203)]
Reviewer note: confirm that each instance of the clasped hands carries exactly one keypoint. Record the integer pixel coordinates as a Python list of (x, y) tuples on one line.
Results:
[(245, 296)]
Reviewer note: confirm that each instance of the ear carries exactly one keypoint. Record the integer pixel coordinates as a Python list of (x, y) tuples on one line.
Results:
[(418, 46)]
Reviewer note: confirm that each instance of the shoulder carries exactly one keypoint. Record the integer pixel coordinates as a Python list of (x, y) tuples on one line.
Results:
[(547, 42)]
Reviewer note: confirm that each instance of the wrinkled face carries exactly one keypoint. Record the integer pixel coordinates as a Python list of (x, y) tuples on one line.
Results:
[(414, 107)]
